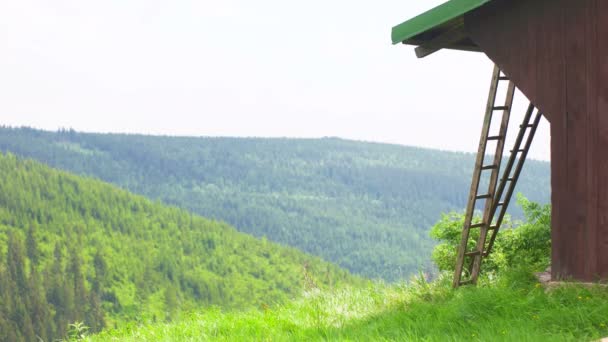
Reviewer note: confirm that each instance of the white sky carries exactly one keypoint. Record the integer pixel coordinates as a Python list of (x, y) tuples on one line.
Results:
[(238, 68)]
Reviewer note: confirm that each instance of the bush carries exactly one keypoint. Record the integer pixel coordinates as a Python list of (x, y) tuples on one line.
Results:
[(520, 244)]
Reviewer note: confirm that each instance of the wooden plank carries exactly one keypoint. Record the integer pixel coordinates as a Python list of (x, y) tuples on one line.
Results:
[(512, 17), (528, 61), (550, 97), (593, 155), (602, 138), (576, 138)]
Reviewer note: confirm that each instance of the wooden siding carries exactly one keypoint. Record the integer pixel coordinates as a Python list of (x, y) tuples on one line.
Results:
[(556, 52)]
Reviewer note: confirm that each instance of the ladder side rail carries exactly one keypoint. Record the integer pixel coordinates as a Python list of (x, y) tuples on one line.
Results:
[(476, 176), (519, 166), (516, 175), (511, 162), (487, 212)]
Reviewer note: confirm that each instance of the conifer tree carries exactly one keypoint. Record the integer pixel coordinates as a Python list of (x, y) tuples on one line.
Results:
[(17, 289), (38, 307), (78, 287), (32, 247), (15, 260), (101, 268), (59, 293), (94, 317)]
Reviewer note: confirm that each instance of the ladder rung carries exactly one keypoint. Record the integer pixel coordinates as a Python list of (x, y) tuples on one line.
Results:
[(518, 151), (500, 108), (492, 227), (508, 179), (526, 126), (495, 137), (466, 282), (477, 225), (503, 78), (489, 167), (483, 196), (500, 204), (472, 253)]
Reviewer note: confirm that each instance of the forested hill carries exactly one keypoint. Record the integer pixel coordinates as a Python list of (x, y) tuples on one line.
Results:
[(365, 206), (79, 250)]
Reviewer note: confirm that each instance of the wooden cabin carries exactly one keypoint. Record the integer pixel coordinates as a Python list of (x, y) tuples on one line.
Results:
[(556, 53)]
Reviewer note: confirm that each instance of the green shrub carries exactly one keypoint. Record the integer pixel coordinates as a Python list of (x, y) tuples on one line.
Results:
[(518, 244)]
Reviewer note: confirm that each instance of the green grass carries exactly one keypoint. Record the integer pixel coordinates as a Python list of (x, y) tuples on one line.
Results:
[(513, 308)]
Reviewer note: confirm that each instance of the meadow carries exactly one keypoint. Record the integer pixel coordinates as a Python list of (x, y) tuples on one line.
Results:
[(512, 307)]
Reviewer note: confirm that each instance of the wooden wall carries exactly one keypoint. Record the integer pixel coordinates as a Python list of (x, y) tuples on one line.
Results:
[(556, 52)]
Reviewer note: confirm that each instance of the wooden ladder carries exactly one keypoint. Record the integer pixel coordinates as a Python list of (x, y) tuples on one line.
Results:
[(495, 197), (511, 174)]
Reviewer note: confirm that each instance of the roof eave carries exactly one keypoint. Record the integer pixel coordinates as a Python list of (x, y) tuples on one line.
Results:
[(439, 28)]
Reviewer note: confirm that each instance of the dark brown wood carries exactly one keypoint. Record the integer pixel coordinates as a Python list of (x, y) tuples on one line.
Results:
[(556, 52), (600, 10), (576, 130), (591, 239)]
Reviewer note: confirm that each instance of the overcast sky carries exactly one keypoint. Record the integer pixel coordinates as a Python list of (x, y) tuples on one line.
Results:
[(238, 68)]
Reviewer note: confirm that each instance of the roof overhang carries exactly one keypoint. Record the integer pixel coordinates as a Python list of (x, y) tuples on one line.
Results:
[(439, 28)]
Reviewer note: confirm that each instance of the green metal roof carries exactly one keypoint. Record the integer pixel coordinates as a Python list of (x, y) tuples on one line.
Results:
[(443, 14)]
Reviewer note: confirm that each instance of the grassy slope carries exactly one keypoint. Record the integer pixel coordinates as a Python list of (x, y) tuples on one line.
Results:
[(512, 309), (365, 206)]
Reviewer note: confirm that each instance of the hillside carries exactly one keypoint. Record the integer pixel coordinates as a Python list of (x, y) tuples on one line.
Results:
[(366, 206), (79, 250)]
